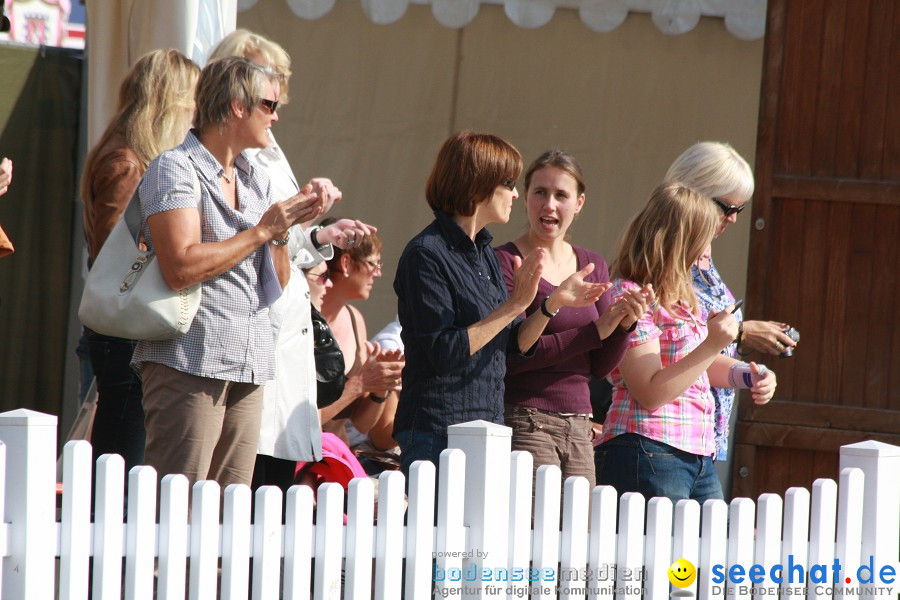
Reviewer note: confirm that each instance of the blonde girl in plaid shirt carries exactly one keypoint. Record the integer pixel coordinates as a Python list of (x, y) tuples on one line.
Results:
[(659, 438)]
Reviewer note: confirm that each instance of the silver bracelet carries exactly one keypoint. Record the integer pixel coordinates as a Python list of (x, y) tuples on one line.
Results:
[(283, 242)]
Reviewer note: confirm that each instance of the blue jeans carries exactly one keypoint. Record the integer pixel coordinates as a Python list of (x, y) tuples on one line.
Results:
[(119, 421), (634, 463), (420, 445)]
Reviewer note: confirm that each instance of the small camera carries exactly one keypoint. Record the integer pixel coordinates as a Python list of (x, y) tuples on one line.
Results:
[(794, 335)]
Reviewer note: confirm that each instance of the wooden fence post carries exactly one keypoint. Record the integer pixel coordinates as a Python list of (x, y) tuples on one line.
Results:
[(486, 513), (30, 498), (881, 518)]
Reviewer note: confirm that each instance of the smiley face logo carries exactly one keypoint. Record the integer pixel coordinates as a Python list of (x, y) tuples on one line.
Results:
[(682, 573)]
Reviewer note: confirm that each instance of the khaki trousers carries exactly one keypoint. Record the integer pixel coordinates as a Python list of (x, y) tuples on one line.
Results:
[(201, 427)]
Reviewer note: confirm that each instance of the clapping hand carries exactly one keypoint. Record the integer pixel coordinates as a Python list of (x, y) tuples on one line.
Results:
[(574, 291), (322, 187), (625, 311)]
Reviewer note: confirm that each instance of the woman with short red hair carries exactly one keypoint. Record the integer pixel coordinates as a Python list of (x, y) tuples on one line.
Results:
[(458, 321)]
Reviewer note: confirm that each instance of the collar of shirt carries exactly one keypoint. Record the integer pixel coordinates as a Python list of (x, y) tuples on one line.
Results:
[(206, 164), (457, 238)]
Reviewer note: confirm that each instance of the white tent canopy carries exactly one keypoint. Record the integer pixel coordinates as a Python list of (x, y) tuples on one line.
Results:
[(745, 19)]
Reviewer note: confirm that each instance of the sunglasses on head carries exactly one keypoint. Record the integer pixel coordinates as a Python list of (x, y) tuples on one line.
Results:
[(729, 209), (270, 105)]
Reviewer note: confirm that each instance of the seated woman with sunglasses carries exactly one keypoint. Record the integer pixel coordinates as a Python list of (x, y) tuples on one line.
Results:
[(717, 171), (371, 372)]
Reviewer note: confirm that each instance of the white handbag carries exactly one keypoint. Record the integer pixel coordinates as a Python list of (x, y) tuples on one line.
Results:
[(125, 295)]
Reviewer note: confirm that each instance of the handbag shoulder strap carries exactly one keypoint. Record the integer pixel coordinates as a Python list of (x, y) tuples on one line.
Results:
[(132, 214)]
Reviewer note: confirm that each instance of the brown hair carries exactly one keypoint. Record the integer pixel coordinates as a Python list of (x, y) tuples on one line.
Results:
[(467, 169), (664, 240), (558, 159)]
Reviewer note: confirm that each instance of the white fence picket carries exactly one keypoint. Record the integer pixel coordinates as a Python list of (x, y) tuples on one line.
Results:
[(686, 536), (823, 516), (75, 532), (173, 538), (545, 552), (848, 545), (360, 539), (298, 543), (630, 558), (713, 548), (267, 549), (602, 542), (420, 530), (389, 536), (204, 557), (768, 538), (450, 536), (329, 542), (235, 580), (521, 482), (108, 529), (795, 541), (140, 533), (573, 543), (740, 546), (658, 548)]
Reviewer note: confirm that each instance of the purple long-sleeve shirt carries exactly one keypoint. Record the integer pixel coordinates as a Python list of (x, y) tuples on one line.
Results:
[(570, 351)]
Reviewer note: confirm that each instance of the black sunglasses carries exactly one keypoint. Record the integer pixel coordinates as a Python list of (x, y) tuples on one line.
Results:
[(321, 278), (270, 105), (509, 184), (729, 209)]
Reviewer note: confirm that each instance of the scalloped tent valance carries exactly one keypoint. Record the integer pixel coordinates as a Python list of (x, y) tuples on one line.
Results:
[(744, 19)]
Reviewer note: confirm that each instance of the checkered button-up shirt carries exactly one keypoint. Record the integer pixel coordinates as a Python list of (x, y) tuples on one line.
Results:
[(687, 422), (231, 336)]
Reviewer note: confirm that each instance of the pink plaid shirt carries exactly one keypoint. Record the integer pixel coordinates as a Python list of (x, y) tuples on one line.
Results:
[(687, 422)]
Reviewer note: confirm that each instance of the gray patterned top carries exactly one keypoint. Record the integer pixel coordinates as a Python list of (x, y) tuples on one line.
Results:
[(231, 337)]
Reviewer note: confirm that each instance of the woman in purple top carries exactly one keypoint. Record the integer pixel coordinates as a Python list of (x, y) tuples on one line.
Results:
[(548, 402)]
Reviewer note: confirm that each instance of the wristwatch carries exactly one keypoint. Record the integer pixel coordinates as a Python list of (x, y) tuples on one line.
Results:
[(282, 242), (545, 311), (312, 237)]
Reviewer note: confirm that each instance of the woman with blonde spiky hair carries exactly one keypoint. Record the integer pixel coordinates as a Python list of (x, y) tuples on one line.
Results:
[(659, 438)]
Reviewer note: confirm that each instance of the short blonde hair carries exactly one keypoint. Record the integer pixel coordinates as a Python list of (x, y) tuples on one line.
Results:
[(713, 169), (232, 79), (664, 240), (241, 42)]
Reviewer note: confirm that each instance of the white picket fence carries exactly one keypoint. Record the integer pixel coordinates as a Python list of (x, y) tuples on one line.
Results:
[(484, 530)]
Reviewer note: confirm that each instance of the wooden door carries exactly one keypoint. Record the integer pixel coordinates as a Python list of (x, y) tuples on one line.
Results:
[(825, 241)]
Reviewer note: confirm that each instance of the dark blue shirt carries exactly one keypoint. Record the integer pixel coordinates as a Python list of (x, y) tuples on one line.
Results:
[(444, 284)]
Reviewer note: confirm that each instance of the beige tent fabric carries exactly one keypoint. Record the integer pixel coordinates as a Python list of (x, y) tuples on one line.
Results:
[(121, 31), (371, 104)]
